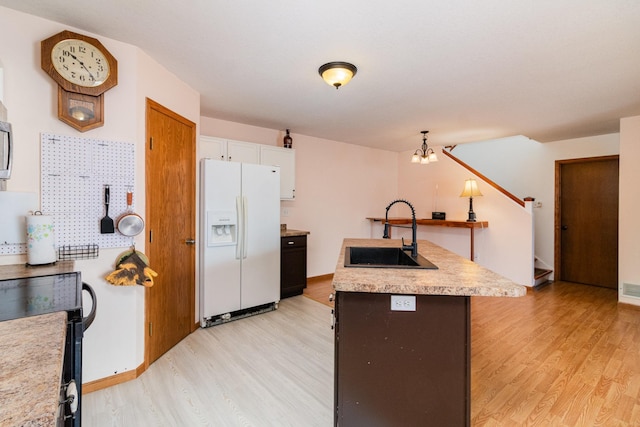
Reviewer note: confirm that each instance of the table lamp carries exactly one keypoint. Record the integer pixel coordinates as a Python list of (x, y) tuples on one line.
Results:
[(471, 190)]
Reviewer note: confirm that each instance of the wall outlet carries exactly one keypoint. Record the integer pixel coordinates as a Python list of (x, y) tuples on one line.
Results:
[(285, 211), (403, 302)]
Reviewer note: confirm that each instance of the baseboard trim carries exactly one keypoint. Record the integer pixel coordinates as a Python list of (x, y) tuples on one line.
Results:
[(112, 380), (627, 305), (321, 278)]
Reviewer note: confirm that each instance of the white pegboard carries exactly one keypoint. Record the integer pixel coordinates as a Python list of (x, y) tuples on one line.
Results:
[(13, 249), (74, 172)]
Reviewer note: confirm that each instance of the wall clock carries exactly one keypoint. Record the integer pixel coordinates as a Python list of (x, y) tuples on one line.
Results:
[(83, 69)]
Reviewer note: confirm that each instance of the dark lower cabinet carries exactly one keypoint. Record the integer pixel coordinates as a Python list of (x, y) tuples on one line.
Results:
[(293, 265), (402, 368)]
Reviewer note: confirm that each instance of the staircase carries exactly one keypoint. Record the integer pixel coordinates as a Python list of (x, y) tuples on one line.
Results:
[(541, 272), (541, 277)]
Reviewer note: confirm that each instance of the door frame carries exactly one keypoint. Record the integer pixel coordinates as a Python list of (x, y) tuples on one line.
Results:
[(557, 246)]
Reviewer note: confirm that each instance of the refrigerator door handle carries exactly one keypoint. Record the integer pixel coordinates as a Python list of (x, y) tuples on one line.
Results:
[(240, 232), (245, 231)]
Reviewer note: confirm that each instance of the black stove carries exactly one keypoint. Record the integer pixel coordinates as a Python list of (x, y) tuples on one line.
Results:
[(32, 296)]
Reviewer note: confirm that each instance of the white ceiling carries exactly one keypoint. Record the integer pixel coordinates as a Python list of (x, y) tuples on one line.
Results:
[(465, 70)]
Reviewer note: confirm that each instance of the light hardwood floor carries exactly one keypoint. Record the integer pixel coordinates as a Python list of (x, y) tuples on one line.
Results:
[(566, 355), (272, 369)]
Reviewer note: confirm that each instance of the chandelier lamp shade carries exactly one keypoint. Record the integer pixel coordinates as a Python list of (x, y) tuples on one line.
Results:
[(424, 155), (337, 73), (471, 190)]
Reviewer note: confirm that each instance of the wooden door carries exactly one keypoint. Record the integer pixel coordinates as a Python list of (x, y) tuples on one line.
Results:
[(587, 221), (170, 211)]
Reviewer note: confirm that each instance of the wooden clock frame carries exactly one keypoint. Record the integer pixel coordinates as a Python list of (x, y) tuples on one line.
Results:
[(74, 99), (81, 112)]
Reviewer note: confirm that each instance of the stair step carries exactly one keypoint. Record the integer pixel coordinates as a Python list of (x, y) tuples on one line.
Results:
[(540, 277), (539, 273)]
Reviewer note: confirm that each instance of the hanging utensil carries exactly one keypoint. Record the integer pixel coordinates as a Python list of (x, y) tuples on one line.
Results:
[(106, 223), (130, 224)]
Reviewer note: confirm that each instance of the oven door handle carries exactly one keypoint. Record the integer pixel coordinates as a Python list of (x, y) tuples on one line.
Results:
[(87, 321)]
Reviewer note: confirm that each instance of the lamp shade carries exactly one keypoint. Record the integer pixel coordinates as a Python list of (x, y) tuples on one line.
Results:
[(470, 189), (337, 73)]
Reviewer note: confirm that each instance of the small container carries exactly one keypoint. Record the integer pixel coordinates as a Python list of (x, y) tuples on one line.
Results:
[(287, 140)]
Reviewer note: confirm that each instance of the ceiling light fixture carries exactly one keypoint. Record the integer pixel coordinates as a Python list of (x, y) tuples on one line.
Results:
[(337, 73), (424, 155)]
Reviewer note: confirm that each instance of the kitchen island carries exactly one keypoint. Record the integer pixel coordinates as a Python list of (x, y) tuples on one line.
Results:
[(402, 338)]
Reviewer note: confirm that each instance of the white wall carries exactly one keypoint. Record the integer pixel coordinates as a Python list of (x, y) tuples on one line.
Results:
[(338, 185), (629, 226), (505, 247), (115, 341), (530, 171)]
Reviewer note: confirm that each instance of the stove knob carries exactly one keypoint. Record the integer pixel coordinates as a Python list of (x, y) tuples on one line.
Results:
[(72, 396)]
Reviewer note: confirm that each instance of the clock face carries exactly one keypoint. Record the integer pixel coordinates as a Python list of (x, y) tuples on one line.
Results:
[(80, 62)]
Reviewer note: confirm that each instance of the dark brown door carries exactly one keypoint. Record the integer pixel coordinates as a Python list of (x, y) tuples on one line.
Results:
[(170, 211), (587, 221)]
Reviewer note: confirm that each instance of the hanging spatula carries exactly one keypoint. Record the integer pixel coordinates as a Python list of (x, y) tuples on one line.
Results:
[(106, 223)]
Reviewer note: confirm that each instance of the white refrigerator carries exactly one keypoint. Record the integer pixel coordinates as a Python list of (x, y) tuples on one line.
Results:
[(239, 261)]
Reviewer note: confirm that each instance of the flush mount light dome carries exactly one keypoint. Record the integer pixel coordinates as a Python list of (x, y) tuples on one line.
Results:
[(337, 73)]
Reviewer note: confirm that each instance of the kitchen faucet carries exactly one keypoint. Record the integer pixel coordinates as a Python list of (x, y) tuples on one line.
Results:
[(414, 244)]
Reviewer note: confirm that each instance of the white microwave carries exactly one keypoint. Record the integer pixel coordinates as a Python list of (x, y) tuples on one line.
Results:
[(6, 150)]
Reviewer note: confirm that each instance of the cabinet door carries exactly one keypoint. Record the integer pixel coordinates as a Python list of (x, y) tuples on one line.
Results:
[(213, 148), (293, 265), (244, 152), (285, 158), (413, 367)]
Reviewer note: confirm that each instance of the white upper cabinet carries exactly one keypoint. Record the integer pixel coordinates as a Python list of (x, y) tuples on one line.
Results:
[(213, 148), (248, 152), (245, 152), (229, 150), (285, 158)]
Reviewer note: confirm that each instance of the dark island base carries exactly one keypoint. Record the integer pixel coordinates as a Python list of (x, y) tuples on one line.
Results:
[(402, 368)]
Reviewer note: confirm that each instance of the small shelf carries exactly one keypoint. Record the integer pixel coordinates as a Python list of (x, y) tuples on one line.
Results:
[(434, 222), (72, 252), (471, 225)]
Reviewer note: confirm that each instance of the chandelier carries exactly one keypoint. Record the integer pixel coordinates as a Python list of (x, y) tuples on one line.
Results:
[(424, 155)]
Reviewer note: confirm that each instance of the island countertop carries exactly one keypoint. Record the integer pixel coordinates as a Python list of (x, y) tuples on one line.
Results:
[(455, 276)]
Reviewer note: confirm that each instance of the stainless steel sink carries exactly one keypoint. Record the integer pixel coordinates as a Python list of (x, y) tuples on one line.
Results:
[(375, 257)]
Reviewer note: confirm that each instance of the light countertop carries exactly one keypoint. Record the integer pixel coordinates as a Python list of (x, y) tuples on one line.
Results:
[(292, 233), (32, 356), (15, 271), (455, 276)]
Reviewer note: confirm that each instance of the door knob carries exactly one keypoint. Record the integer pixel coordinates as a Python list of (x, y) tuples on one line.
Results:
[(564, 227), (190, 241)]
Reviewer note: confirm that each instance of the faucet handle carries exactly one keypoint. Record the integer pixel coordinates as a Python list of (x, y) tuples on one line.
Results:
[(386, 231)]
